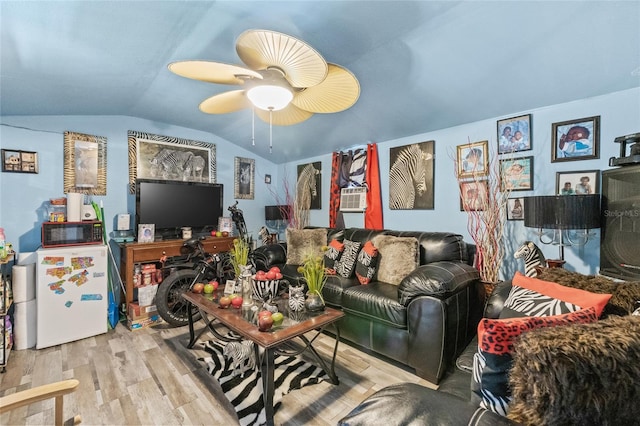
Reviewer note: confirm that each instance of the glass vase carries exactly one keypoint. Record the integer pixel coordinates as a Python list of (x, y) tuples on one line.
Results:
[(245, 280), (314, 303)]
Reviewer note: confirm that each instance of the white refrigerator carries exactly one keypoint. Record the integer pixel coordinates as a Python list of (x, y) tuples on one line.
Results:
[(71, 294)]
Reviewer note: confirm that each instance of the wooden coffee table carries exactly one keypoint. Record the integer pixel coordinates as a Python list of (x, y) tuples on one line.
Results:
[(242, 322)]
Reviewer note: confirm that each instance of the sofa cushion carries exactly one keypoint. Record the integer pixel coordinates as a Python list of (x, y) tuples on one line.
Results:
[(346, 265), (398, 256), (377, 301), (492, 362), (585, 374), (367, 263), (333, 254), (413, 404), (334, 288), (304, 242), (535, 297)]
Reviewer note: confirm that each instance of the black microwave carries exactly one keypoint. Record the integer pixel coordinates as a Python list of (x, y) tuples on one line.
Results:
[(63, 234)]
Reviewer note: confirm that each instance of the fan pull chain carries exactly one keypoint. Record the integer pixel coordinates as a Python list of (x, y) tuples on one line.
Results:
[(270, 130), (253, 126)]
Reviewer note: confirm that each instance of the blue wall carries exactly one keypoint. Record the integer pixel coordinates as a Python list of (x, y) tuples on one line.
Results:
[(23, 196), (619, 115)]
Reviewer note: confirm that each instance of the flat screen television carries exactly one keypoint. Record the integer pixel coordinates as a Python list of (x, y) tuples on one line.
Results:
[(170, 205)]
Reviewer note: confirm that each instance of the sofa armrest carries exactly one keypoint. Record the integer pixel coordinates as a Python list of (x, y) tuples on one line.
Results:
[(413, 404), (436, 279), (269, 255)]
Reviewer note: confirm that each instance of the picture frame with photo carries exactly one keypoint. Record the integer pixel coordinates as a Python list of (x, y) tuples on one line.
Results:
[(472, 159), (582, 182), (85, 164), (575, 139), (244, 178), (515, 208), (516, 174), (18, 161), (146, 232), (474, 195), (514, 134)]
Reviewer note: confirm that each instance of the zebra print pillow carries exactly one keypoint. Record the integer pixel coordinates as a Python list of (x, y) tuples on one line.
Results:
[(332, 255), (367, 263), (532, 297), (347, 262)]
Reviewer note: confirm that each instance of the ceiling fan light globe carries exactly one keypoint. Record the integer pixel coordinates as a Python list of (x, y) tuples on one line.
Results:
[(270, 97)]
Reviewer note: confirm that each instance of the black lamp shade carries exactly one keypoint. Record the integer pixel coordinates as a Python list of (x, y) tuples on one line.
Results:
[(562, 211), (275, 212)]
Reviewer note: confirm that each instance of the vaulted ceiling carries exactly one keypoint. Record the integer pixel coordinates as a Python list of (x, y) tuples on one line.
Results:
[(422, 65)]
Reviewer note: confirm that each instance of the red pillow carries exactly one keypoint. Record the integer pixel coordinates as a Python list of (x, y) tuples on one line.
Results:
[(367, 263), (491, 364), (332, 255)]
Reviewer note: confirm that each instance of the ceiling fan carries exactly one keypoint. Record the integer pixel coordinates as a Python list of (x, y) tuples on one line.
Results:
[(285, 79)]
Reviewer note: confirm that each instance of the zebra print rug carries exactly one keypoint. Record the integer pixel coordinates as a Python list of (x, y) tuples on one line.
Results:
[(245, 393)]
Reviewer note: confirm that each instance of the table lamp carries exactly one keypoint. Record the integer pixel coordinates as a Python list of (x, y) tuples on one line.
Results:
[(561, 214), (276, 218)]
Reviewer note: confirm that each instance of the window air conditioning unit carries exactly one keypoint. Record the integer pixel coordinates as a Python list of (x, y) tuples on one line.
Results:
[(353, 199)]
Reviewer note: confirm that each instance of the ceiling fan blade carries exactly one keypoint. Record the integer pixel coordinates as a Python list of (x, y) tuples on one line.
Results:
[(284, 117), (302, 65), (223, 103), (212, 72), (339, 91)]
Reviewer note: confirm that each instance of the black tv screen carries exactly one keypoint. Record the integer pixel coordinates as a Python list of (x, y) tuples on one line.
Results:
[(170, 205)]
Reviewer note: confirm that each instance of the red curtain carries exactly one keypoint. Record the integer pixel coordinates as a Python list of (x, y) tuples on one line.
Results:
[(373, 214), (334, 200)]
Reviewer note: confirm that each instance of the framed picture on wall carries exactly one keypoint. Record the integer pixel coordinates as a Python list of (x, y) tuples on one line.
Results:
[(516, 174), (308, 185), (514, 134), (244, 178), (474, 195), (19, 161), (411, 176), (168, 158), (575, 139), (515, 209), (472, 159), (85, 164), (578, 182)]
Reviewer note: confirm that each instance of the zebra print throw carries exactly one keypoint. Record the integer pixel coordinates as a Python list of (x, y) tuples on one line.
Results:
[(245, 393)]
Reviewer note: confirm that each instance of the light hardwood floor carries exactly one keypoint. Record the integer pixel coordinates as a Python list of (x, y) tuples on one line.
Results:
[(148, 377)]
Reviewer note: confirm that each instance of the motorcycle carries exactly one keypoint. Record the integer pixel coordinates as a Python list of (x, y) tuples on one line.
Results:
[(197, 266)]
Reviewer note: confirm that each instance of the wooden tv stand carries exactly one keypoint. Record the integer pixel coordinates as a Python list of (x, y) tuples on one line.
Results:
[(132, 253)]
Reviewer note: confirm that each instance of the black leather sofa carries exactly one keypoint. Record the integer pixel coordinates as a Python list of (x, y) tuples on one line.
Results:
[(425, 321), (412, 404), (596, 398)]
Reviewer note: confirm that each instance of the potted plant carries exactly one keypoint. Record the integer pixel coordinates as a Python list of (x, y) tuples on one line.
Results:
[(313, 272)]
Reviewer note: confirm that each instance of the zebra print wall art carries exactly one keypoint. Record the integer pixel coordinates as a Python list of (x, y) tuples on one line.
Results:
[(411, 176), (85, 164), (168, 158), (244, 178), (308, 189)]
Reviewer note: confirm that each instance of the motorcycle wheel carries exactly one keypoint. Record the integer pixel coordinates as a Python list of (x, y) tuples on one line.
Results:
[(171, 306)]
